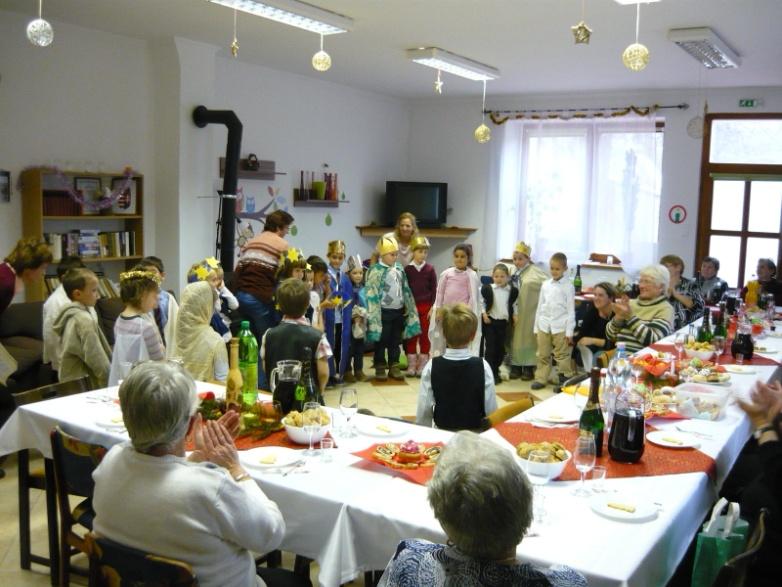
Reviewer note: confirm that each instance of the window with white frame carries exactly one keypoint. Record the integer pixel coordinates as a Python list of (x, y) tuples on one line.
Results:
[(580, 187)]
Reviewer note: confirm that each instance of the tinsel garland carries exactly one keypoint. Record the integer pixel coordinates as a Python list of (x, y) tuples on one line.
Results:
[(498, 119), (67, 186)]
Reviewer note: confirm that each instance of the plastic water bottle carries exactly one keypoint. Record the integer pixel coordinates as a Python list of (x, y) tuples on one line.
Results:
[(248, 364)]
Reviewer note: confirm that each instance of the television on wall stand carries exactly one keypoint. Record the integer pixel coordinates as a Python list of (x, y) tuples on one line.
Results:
[(427, 201)]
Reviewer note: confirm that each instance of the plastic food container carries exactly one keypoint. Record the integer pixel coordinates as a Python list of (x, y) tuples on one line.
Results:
[(703, 402)]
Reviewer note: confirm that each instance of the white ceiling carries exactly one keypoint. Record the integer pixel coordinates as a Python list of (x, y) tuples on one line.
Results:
[(528, 40)]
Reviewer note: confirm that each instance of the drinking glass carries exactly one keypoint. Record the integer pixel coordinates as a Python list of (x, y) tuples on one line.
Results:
[(584, 460), (348, 406), (311, 424), (719, 346), (678, 344), (598, 479), (538, 473)]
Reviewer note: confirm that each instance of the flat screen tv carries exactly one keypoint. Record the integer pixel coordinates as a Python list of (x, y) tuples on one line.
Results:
[(428, 201)]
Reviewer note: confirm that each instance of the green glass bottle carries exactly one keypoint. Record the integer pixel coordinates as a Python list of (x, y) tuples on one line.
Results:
[(720, 329), (591, 421), (248, 364), (704, 332), (577, 284)]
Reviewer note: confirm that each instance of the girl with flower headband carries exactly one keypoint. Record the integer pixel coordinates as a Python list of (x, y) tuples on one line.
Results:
[(457, 284), (136, 337), (211, 271), (167, 309)]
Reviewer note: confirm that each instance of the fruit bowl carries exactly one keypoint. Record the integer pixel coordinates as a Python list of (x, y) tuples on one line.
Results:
[(301, 436), (703, 355)]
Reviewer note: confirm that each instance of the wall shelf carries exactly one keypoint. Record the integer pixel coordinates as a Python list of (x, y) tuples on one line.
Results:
[(316, 203), (266, 170), (447, 232)]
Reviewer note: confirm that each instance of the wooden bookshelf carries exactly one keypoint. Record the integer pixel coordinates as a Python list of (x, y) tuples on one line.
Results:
[(40, 183)]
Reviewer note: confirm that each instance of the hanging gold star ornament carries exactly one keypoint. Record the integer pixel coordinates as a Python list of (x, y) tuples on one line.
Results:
[(321, 61), (636, 56), (438, 83), (581, 33), (482, 134), (235, 43)]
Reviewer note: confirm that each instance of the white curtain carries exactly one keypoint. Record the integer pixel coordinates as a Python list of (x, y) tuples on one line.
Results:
[(575, 186)]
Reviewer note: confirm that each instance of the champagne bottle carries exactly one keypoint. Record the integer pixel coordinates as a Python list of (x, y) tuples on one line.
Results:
[(248, 365), (704, 332), (719, 326), (233, 385), (305, 390), (577, 280), (591, 421)]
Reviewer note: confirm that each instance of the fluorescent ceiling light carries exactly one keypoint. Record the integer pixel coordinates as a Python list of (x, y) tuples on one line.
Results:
[(452, 63), (626, 2), (706, 47), (294, 13)]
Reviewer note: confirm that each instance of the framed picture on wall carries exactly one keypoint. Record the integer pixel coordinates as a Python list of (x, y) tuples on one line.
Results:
[(5, 186), (126, 203), (90, 189)]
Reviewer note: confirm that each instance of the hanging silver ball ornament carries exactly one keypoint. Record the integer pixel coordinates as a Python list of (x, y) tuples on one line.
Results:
[(40, 32), (482, 134), (635, 57), (321, 61)]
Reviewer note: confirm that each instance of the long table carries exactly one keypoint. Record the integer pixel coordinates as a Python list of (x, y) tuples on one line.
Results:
[(349, 514)]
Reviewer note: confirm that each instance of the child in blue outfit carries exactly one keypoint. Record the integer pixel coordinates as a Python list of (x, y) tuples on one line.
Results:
[(337, 317), (358, 328)]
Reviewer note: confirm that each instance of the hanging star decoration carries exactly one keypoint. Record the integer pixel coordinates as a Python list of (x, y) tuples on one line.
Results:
[(235, 48), (438, 83), (581, 33)]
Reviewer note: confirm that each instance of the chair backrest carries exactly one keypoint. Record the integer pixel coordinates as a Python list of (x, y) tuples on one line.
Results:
[(507, 412), (51, 391), (733, 573), (113, 564), (74, 462)]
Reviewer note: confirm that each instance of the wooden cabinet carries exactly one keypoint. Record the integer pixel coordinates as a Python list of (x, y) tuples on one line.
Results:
[(114, 235)]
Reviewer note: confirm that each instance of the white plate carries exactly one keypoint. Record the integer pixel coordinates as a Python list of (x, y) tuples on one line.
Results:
[(672, 439), (645, 511), (380, 428), (562, 417), (113, 421), (739, 369), (766, 351), (284, 456)]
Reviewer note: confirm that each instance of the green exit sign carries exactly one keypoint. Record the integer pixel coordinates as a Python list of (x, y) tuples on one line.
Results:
[(748, 103)]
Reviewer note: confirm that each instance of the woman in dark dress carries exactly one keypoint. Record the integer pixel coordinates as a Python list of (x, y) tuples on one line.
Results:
[(590, 339)]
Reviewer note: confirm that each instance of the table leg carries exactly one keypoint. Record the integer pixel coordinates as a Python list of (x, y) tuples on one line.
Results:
[(51, 520)]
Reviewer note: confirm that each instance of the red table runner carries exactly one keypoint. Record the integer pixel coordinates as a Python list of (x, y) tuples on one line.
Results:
[(725, 358), (248, 441), (420, 475), (656, 460)]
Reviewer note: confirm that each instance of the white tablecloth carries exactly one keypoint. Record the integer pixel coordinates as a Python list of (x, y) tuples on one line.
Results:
[(349, 515)]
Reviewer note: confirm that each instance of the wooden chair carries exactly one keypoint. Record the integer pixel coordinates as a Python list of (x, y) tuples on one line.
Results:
[(113, 564), (37, 479), (734, 572), (506, 412), (74, 462)]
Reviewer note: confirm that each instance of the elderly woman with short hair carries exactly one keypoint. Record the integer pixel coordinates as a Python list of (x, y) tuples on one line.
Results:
[(641, 322), (683, 293), (483, 501), (205, 509)]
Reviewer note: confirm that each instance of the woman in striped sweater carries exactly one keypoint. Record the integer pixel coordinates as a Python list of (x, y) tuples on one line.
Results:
[(641, 322)]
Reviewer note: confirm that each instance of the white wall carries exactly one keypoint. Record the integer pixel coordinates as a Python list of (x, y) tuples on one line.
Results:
[(442, 149), (83, 101), (302, 123)]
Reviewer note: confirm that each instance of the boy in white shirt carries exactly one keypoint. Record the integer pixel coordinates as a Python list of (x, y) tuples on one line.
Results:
[(555, 321)]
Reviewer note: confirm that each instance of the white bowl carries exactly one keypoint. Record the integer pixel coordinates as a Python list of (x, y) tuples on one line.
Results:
[(301, 436), (702, 355), (544, 470)]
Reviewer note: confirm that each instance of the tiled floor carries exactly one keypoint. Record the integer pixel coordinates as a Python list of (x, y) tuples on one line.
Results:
[(397, 400)]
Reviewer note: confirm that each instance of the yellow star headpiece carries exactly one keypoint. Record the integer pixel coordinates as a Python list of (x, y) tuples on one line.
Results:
[(202, 273), (212, 262)]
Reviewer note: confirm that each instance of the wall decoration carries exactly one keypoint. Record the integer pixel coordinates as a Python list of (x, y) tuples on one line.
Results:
[(5, 186), (127, 200), (328, 220), (89, 188), (677, 214)]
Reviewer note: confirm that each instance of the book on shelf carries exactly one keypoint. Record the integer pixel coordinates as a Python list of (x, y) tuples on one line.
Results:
[(92, 244), (106, 287)]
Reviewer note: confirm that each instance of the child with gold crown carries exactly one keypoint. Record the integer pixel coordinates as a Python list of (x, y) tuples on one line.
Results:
[(528, 278), (391, 310), (337, 317)]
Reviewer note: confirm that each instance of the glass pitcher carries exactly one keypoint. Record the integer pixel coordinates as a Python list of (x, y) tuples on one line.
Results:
[(626, 440), (283, 380)]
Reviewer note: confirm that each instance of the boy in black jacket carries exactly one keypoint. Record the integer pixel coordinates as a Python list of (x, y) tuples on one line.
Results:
[(498, 302)]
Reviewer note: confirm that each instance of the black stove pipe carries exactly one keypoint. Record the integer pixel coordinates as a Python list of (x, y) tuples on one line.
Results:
[(201, 117)]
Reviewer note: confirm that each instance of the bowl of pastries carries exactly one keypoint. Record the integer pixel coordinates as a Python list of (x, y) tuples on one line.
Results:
[(701, 350), (550, 466), (295, 423)]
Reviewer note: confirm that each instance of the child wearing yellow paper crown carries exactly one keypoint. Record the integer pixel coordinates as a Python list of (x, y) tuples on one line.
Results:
[(337, 318), (391, 311), (211, 271), (136, 336), (528, 278)]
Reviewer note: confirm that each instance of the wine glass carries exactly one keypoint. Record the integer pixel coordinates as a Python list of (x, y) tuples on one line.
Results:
[(348, 405), (311, 424), (719, 346), (584, 460), (678, 344)]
